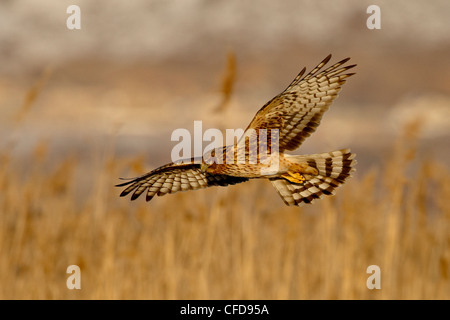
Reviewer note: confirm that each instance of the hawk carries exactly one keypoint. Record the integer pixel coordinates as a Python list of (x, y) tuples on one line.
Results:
[(291, 117)]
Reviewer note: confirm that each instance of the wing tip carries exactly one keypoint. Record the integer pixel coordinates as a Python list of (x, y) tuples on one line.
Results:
[(344, 60), (124, 193), (134, 196), (123, 183)]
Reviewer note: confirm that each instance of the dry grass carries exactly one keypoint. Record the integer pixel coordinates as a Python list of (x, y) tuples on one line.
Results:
[(235, 243), (239, 242), (228, 80)]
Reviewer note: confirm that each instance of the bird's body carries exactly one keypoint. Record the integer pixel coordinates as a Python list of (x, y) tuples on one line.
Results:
[(280, 125)]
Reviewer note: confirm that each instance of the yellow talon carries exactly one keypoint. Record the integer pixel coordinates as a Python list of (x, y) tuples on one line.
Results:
[(294, 177)]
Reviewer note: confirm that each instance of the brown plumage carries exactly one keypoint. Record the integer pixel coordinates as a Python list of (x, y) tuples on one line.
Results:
[(288, 119)]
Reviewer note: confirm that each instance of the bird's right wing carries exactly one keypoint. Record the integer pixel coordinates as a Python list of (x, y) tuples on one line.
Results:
[(174, 177)]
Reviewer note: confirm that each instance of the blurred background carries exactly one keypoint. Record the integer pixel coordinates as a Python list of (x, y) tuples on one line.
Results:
[(80, 108)]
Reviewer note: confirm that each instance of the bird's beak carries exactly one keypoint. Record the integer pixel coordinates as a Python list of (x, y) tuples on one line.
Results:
[(203, 167)]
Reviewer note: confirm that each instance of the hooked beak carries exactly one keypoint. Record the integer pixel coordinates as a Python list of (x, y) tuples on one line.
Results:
[(203, 167)]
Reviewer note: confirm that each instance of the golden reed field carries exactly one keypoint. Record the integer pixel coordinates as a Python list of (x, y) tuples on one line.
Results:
[(239, 242)]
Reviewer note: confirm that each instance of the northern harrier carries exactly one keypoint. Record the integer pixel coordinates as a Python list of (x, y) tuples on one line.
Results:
[(291, 116)]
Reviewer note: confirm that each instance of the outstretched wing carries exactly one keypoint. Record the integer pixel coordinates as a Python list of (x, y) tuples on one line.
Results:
[(172, 178), (297, 111)]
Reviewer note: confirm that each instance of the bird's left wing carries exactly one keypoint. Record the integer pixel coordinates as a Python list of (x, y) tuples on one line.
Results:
[(297, 111)]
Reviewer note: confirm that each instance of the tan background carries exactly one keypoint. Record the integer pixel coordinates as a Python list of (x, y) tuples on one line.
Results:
[(80, 108)]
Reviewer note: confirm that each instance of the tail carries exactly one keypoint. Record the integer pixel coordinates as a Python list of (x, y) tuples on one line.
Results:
[(333, 169)]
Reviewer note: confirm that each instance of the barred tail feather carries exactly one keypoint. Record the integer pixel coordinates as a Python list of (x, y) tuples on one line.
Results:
[(334, 168), (337, 165)]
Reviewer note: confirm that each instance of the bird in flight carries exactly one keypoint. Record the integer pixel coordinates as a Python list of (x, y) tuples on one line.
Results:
[(281, 125)]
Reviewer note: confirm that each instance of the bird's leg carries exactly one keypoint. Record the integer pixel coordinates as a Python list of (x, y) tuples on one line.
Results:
[(294, 177), (299, 173)]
